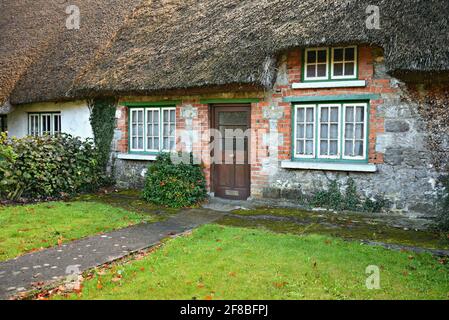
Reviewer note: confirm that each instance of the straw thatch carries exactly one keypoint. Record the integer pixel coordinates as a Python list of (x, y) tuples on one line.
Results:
[(170, 44), (181, 45), (39, 56)]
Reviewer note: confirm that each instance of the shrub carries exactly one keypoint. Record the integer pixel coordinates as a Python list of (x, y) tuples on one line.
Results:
[(332, 198), (48, 166), (174, 185)]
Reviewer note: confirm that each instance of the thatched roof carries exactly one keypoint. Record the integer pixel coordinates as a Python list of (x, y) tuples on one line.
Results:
[(39, 56), (173, 44)]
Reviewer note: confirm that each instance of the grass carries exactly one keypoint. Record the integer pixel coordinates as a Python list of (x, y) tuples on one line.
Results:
[(219, 262), (32, 227)]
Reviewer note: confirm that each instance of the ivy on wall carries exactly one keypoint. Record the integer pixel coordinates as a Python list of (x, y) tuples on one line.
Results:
[(102, 120)]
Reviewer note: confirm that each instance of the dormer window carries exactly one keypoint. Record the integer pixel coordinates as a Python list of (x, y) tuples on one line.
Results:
[(338, 63)]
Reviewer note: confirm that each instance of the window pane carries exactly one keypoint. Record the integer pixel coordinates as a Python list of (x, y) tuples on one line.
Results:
[(333, 148), (349, 131), (300, 131), (311, 56), (172, 116), (348, 147), (300, 146), (324, 114), (301, 115), (310, 115), (334, 114), (338, 55), (324, 147), (334, 131), (322, 56), (309, 133), (349, 69), (338, 69), (359, 148), (321, 71), (324, 131), (309, 147), (349, 114), (359, 131), (349, 54), (311, 71), (360, 115)]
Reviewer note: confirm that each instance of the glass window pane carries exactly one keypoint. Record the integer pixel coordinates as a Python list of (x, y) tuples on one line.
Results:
[(359, 148), (309, 147), (300, 146), (334, 131), (349, 69), (322, 56), (300, 131), (333, 148), (309, 133), (338, 55), (310, 115), (156, 143), (359, 131), (349, 114), (321, 70), (311, 56), (360, 114), (323, 147), (300, 115), (334, 115), (348, 147), (311, 71), (172, 116), (349, 131), (324, 131), (338, 69), (324, 114), (349, 54)]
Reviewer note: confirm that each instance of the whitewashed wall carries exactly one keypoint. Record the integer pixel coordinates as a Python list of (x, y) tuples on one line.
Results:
[(74, 118)]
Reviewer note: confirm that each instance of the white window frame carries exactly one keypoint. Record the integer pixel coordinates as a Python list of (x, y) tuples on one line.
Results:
[(353, 76), (145, 110), (295, 133), (162, 128), (306, 64), (39, 117), (330, 105), (131, 136), (146, 129), (365, 131)]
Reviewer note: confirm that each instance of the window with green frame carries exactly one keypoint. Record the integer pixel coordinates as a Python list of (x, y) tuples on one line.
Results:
[(330, 131), (336, 63), (152, 129)]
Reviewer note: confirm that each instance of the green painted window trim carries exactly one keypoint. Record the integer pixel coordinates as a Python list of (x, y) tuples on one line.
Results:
[(316, 142), (143, 104), (160, 106), (329, 76), (334, 98), (246, 100)]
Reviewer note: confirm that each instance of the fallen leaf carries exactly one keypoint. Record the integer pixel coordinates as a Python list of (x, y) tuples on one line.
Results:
[(207, 298), (411, 257), (219, 249), (280, 284), (99, 285), (232, 274), (200, 285)]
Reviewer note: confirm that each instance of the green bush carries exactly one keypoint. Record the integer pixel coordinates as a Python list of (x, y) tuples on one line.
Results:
[(47, 167), (333, 199), (174, 185)]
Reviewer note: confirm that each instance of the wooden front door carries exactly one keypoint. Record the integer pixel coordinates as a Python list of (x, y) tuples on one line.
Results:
[(231, 170)]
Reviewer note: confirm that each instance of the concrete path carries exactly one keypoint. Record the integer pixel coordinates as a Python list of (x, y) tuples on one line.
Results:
[(19, 274)]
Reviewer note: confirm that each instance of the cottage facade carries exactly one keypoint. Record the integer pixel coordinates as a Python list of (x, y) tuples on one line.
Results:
[(318, 94)]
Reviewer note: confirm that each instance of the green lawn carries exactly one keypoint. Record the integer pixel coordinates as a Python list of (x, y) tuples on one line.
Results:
[(221, 262), (31, 227)]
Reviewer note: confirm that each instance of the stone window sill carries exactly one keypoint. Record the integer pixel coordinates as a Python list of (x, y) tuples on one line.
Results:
[(329, 84), (138, 157), (328, 166)]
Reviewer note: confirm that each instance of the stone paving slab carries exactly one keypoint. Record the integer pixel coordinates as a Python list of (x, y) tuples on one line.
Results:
[(19, 274)]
